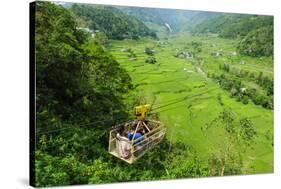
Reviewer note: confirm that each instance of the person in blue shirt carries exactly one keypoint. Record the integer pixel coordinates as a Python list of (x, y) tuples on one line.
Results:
[(137, 135)]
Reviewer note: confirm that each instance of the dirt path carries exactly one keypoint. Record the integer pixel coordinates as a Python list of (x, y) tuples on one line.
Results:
[(201, 72)]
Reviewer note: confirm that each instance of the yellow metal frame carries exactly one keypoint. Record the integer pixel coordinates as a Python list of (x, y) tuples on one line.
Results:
[(141, 111)]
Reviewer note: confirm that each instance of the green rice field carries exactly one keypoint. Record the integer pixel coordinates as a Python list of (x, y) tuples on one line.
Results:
[(186, 99)]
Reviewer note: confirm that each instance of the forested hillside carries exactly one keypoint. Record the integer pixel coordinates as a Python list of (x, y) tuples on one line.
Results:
[(255, 32), (113, 22), (77, 84), (73, 71), (258, 42)]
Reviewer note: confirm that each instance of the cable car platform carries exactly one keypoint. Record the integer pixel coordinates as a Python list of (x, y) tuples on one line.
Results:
[(131, 150)]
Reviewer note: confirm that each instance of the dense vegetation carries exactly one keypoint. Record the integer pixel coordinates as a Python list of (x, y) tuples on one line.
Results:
[(83, 87), (75, 76), (255, 32), (111, 21), (258, 42), (234, 25), (77, 83), (233, 80)]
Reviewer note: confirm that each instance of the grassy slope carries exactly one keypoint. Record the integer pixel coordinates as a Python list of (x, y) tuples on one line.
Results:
[(172, 78)]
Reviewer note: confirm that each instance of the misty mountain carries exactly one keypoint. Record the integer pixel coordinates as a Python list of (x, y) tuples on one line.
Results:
[(176, 19)]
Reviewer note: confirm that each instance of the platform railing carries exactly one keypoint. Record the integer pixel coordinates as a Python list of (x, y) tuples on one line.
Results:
[(141, 145)]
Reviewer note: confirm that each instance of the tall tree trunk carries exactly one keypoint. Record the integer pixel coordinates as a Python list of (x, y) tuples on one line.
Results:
[(222, 170)]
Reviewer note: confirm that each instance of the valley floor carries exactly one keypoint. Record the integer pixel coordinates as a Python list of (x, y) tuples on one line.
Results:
[(191, 98)]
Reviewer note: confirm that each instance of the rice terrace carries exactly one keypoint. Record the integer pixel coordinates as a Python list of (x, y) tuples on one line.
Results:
[(203, 98), (206, 76)]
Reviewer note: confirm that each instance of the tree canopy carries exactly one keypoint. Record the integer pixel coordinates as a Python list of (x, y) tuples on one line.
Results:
[(113, 22)]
